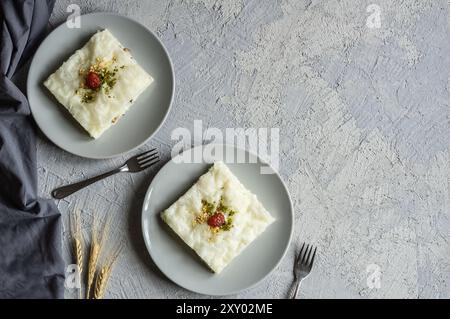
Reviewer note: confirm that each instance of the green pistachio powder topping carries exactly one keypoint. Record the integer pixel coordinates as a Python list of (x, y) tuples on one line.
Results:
[(108, 77), (210, 209)]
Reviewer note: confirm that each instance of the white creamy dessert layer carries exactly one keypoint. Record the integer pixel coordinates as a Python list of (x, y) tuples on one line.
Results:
[(245, 215), (107, 106)]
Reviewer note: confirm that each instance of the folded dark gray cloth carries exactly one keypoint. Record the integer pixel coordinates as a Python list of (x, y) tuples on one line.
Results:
[(30, 228)]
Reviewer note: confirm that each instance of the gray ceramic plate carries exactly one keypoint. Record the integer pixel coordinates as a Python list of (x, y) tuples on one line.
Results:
[(180, 264), (144, 117)]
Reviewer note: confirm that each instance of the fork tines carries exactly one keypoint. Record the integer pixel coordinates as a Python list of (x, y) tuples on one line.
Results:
[(304, 257), (148, 158)]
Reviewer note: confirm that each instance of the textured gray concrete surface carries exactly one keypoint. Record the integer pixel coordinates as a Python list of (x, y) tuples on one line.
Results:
[(364, 126)]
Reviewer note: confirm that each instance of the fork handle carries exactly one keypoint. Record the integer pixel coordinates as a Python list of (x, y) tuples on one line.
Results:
[(297, 286), (67, 190)]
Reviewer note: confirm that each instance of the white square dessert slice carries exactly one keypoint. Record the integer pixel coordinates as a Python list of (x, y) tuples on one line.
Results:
[(218, 192), (122, 81)]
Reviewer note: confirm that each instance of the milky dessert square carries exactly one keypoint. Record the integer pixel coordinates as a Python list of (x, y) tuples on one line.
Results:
[(218, 217), (99, 83)]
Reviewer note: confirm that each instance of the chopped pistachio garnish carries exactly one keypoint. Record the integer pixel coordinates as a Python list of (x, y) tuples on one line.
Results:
[(209, 209), (106, 71), (88, 97), (228, 224)]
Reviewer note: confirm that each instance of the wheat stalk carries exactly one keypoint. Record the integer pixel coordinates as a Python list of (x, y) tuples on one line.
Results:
[(93, 258), (105, 272), (75, 226), (78, 248), (96, 246), (101, 282)]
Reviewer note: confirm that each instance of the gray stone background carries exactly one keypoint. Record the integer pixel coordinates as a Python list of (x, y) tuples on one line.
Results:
[(364, 127)]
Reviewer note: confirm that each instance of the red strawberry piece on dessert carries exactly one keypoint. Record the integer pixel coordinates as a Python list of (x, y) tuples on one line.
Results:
[(93, 81), (216, 220)]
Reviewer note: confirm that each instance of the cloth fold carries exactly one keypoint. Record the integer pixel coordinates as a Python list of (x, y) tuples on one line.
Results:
[(31, 265)]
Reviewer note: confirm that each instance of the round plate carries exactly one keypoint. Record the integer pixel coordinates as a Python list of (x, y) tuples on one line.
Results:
[(179, 263), (144, 117)]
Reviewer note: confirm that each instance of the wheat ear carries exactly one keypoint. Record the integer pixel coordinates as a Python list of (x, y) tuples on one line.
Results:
[(96, 246), (78, 242), (101, 282), (75, 226), (105, 272), (93, 258)]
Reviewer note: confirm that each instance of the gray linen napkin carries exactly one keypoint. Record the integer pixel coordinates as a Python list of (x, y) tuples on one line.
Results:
[(30, 228)]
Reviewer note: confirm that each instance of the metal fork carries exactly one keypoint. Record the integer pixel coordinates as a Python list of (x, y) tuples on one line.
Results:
[(303, 265), (134, 164)]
